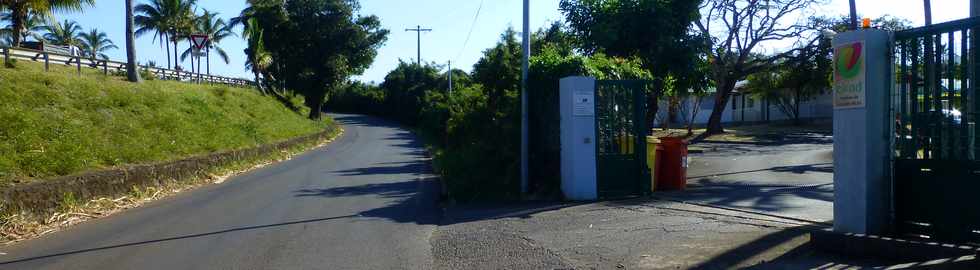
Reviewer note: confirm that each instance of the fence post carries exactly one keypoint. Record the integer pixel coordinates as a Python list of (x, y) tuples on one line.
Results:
[(105, 67), (6, 56), (78, 65), (47, 62)]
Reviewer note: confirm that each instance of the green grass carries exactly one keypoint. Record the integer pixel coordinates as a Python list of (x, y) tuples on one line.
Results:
[(57, 123)]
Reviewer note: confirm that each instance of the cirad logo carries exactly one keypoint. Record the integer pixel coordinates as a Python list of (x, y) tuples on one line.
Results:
[(849, 61)]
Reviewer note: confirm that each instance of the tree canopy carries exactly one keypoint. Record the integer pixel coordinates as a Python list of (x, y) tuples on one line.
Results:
[(316, 45)]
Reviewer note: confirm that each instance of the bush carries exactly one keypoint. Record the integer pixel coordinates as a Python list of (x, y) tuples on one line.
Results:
[(475, 131)]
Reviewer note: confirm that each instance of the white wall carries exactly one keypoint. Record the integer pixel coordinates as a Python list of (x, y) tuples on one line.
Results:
[(818, 107)]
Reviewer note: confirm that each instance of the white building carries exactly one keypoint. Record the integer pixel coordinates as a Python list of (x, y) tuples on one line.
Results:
[(745, 109)]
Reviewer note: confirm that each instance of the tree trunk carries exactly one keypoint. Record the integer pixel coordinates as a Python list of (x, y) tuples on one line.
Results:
[(131, 72), (316, 106), (17, 17), (258, 83), (166, 40), (695, 108), (796, 106), (722, 96), (176, 57), (652, 108), (208, 61)]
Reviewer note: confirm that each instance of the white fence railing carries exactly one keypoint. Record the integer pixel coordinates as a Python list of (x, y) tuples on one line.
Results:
[(112, 66)]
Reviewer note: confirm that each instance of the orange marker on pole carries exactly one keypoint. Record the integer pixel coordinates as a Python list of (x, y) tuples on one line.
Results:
[(866, 23)]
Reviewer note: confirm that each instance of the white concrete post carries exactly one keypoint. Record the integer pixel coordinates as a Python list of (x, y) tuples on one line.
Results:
[(862, 132), (578, 149)]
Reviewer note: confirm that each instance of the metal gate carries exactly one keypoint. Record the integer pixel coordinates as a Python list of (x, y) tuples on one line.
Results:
[(935, 102), (620, 139)]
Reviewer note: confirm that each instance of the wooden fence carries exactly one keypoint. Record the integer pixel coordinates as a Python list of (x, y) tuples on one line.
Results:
[(107, 66)]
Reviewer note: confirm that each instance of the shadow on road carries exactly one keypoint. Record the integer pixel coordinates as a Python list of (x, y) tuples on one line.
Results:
[(789, 248), (798, 169), (489, 211), (764, 197), (405, 168), (412, 194), (182, 237)]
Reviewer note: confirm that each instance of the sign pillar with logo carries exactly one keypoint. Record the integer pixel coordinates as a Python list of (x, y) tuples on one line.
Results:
[(861, 81)]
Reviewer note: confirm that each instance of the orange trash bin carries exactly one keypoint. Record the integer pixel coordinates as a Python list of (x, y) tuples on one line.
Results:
[(671, 164)]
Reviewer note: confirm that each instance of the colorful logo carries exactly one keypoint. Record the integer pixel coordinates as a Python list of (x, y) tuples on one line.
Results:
[(848, 60)]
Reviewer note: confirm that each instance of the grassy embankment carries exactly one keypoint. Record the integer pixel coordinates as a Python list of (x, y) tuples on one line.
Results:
[(57, 123)]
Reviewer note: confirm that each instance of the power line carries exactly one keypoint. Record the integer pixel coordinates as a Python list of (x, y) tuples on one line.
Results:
[(472, 26), (418, 30)]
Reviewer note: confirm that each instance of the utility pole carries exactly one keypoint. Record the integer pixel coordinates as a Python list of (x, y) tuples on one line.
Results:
[(526, 48), (418, 30), (854, 16), (927, 6)]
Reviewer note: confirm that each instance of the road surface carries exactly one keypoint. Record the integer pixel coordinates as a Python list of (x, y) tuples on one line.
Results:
[(790, 179), (362, 202)]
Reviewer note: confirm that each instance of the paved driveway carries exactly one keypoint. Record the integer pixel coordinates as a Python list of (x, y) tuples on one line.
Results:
[(793, 178)]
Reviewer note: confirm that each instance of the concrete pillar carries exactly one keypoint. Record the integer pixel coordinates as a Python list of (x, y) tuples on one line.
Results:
[(862, 132), (578, 135)]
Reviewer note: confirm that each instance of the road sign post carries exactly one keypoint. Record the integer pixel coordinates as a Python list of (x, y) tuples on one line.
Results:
[(200, 42)]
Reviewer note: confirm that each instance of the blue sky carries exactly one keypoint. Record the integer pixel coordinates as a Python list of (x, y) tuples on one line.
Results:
[(450, 20)]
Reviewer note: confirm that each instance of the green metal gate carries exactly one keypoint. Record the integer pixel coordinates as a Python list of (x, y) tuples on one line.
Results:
[(934, 100), (620, 139)]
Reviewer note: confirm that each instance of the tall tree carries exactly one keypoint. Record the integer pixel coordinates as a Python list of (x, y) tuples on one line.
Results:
[(499, 71), (257, 58), (170, 21), (153, 17), (95, 43), (131, 72), (795, 80), (656, 31), (737, 29), (20, 11), (318, 44)]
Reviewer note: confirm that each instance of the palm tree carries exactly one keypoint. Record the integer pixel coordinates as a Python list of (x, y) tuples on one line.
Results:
[(21, 10), (66, 33), (154, 17), (258, 59), (95, 43), (131, 73), (169, 20), (33, 26), (217, 30)]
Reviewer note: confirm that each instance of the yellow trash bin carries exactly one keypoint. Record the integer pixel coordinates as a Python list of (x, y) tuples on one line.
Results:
[(652, 162)]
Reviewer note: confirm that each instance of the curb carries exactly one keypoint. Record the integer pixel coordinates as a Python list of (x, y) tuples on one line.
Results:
[(44, 195)]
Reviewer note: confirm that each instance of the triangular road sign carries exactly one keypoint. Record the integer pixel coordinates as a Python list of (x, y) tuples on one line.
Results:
[(199, 40)]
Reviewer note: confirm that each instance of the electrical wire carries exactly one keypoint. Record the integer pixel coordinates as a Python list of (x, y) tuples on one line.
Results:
[(472, 26)]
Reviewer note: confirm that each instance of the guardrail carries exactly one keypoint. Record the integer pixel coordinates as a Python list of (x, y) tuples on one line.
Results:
[(115, 66)]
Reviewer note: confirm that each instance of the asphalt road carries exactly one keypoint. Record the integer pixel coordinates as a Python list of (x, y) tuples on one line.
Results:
[(362, 202), (791, 179)]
